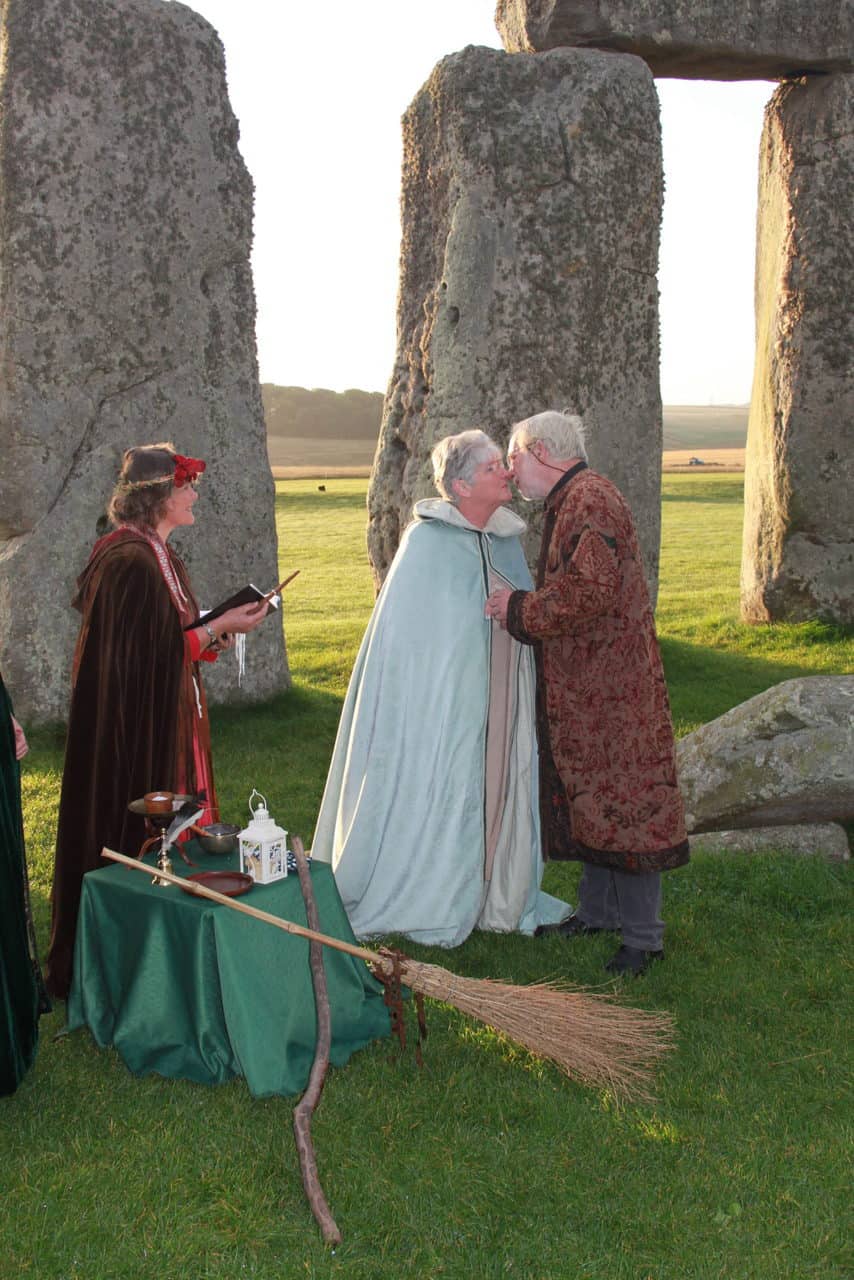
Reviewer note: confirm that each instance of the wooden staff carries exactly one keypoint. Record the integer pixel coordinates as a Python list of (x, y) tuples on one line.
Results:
[(304, 1109), (280, 588), (590, 1037)]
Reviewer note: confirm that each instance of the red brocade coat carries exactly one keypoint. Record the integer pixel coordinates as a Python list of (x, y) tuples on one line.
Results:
[(138, 720), (608, 788)]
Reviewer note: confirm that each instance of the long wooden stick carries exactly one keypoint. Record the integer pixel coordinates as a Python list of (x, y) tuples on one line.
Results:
[(304, 1109), (202, 891)]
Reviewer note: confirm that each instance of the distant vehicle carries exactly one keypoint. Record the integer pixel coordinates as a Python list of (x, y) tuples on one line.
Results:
[(696, 462)]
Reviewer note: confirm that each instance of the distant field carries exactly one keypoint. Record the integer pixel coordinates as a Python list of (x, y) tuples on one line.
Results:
[(715, 433), (711, 459), (311, 457), (695, 427)]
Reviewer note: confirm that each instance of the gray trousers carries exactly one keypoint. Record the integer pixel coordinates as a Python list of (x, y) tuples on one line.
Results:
[(625, 902)]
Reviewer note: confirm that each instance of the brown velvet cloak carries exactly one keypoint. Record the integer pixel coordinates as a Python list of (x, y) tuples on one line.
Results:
[(130, 730), (608, 787)]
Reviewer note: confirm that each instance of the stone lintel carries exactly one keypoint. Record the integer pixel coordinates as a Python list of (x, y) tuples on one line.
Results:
[(705, 40)]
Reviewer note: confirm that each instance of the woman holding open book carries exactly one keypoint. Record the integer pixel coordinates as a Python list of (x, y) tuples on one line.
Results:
[(138, 719)]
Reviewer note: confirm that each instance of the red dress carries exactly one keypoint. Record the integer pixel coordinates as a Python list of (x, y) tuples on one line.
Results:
[(138, 719)]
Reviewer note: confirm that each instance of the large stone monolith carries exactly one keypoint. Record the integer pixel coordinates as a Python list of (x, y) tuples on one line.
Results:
[(127, 316), (701, 40), (798, 556), (531, 205)]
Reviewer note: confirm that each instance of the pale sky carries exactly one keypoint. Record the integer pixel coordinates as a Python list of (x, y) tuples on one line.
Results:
[(319, 91)]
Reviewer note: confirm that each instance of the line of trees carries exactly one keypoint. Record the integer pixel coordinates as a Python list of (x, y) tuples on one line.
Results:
[(321, 415), (318, 414)]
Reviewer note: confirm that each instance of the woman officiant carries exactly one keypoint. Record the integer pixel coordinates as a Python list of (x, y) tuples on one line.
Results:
[(138, 719)]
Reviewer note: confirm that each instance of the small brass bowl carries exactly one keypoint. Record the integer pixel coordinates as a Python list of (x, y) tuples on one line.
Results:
[(219, 837)]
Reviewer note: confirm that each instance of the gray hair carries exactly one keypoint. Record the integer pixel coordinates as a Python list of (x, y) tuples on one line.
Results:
[(458, 457), (561, 433)]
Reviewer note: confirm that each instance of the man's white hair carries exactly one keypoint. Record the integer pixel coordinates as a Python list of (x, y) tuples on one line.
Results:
[(458, 457), (561, 433)]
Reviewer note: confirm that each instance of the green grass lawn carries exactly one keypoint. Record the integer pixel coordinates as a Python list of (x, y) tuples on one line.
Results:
[(713, 660), (486, 1163)]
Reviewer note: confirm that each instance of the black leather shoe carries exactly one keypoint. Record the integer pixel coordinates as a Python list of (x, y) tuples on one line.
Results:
[(632, 960), (571, 927)]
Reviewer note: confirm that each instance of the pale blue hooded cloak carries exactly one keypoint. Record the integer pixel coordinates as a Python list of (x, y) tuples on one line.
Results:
[(403, 819)]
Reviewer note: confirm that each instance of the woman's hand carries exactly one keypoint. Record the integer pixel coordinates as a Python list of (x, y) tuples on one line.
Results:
[(241, 620), (496, 607), (220, 634), (21, 747)]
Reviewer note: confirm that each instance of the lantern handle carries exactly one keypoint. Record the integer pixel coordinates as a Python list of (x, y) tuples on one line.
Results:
[(262, 805)]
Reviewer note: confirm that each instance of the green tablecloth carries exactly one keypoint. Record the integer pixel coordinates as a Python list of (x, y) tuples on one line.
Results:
[(189, 989)]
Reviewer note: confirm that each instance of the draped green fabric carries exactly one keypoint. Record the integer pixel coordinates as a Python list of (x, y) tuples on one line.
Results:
[(19, 988), (190, 989)]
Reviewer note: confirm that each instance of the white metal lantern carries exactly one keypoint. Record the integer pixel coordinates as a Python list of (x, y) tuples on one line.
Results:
[(263, 845)]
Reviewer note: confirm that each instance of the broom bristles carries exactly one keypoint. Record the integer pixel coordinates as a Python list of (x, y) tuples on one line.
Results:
[(589, 1037)]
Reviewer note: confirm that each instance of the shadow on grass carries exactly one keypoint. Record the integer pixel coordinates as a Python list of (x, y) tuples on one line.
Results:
[(704, 682), (282, 748)]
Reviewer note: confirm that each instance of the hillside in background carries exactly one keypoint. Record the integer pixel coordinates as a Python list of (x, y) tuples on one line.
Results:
[(295, 412), (318, 430)]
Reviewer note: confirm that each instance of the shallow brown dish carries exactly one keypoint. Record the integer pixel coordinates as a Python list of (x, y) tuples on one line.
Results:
[(231, 883)]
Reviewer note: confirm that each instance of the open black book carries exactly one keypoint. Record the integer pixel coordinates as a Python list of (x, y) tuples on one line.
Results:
[(246, 595)]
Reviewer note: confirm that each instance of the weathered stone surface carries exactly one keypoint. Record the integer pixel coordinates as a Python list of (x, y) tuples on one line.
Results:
[(126, 316), (785, 756), (531, 203), (822, 840), (700, 40), (798, 554)]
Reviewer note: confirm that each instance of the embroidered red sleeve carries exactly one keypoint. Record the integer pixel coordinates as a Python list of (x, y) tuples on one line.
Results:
[(584, 588)]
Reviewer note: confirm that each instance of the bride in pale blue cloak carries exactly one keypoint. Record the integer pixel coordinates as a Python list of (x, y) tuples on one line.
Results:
[(430, 813)]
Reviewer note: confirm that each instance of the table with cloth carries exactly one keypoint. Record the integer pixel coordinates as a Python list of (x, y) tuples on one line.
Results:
[(190, 989)]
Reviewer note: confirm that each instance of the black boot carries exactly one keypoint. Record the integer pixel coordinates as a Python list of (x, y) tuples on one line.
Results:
[(632, 960), (571, 927)]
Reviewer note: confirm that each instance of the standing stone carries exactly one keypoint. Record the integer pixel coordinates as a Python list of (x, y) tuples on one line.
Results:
[(798, 554), (126, 317), (531, 203), (703, 40)]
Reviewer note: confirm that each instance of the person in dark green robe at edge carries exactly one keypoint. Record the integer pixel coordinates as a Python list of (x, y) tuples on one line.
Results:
[(22, 994)]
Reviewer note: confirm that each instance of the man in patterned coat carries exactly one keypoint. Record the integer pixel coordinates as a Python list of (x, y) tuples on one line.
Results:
[(608, 790)]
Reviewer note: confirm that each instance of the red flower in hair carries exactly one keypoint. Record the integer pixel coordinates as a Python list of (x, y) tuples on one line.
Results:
[(187, 470)]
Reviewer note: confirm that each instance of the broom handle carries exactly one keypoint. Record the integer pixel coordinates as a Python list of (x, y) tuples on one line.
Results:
[(202, 891)]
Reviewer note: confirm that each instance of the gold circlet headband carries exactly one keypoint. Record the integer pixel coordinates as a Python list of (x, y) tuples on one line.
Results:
[(126, 486)]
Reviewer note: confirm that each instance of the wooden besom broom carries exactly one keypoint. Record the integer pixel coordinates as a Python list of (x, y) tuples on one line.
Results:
[(590, 1037)]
